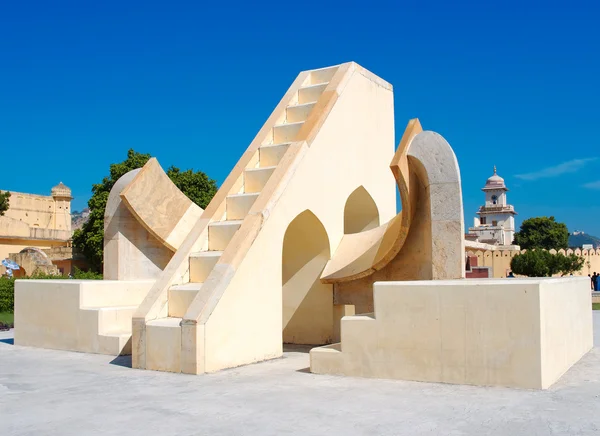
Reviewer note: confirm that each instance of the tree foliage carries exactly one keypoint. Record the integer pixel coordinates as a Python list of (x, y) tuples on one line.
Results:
[(196, 185), (542, 232), (4, 196), (542, 263), (89, 240)]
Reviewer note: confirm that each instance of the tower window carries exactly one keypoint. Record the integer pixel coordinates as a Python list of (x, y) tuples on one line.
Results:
[(494, 223), (483, 220), (494, 199)]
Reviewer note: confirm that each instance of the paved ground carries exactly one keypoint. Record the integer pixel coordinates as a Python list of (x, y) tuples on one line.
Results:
[(45, 392)]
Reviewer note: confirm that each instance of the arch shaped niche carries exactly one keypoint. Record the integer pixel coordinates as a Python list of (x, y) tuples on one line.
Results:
[(307, 303), (360, 212)]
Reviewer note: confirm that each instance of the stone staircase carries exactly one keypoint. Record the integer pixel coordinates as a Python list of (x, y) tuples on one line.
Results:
[(163, 335), (89, 316), (113, 326)]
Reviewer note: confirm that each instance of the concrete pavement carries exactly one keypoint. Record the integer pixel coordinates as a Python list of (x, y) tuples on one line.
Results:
[(46, 392)]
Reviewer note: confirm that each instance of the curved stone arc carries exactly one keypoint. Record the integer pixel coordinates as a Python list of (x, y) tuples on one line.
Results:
[(39, 252), (159, 206), (130, 251), (361, 254), (421, 159)]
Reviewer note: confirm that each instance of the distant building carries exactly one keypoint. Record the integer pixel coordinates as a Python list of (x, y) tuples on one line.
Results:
[(495, 223), (38, 224)]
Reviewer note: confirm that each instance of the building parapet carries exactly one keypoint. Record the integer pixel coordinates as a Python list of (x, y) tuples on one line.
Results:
[(36, 233), (496, 209)]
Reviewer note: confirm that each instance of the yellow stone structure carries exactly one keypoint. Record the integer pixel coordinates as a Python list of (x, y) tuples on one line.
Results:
[(36, 221), (303, 244), (499, 260)]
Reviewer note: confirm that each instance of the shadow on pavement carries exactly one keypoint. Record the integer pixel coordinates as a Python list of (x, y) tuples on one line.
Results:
[(124, 361), (294, 348)]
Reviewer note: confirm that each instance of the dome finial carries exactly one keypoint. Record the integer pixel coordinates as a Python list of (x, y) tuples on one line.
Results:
[(494, 169)]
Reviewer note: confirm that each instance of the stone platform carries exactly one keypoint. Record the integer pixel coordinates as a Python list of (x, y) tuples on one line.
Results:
[(522, 333)]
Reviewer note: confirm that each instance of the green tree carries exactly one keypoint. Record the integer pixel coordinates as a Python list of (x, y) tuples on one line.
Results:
[(196, 185), (4, 196), (571, 264), (542, 232), (89, 240), (542, 263)]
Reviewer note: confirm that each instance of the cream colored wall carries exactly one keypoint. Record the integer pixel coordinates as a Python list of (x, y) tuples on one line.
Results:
[(566, 326), (51, 313), (40, 211), (358, 135), (62, 214), (499, 260), (519, 333)]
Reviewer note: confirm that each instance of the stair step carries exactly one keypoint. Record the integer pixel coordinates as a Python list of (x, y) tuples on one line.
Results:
[(115, 342), (286, 132), (163, 344), (220, 233), (113, 318), (323, 75), (201, 264), (170, 322), (180, 298), (255, 179), (310, 93), (107, 308), (238, 205), (270, 155), (299, 112)]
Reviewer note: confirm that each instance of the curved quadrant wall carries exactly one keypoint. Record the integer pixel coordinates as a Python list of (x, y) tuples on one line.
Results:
[(130, 251)]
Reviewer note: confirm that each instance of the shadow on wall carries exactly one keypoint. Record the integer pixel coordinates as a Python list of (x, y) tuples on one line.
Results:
[(307, 303), (360, 212)]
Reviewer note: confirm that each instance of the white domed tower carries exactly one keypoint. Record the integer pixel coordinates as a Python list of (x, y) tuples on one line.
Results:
[(62, 207), (495, 223)]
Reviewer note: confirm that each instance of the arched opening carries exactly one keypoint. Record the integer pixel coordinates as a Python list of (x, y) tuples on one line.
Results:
[(360, 212), (307, 303)]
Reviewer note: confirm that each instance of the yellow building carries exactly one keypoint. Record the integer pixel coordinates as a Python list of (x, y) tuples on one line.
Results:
[(36, 221)]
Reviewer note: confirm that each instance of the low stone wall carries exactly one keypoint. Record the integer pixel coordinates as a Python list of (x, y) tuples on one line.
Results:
[(64, 315), (522, 333), (499, 260)]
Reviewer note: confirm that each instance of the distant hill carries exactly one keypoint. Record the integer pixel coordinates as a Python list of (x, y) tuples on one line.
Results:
[(78, 219), (578, 239)]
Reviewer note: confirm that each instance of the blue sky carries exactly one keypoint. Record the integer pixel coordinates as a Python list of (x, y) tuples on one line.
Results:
[(512, 84)]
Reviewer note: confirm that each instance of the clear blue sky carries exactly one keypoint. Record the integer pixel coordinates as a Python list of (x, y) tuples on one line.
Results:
[(512, 84)]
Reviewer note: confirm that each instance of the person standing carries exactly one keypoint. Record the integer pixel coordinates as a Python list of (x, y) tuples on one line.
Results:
[(594, 281), (591, 281)]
